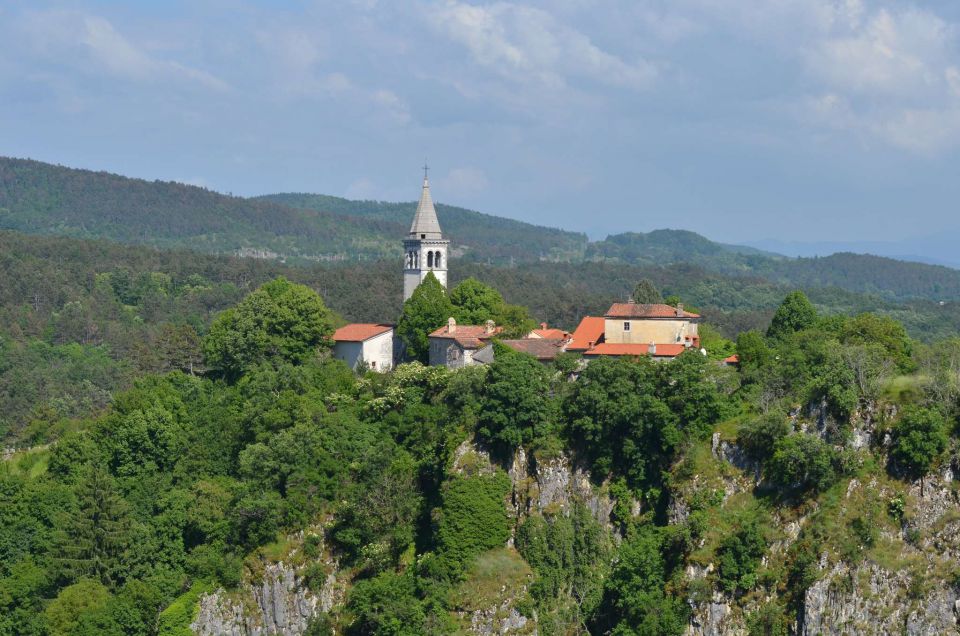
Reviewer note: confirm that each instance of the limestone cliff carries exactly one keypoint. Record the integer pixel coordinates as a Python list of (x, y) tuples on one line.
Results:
[(904, 582), (276, 600)]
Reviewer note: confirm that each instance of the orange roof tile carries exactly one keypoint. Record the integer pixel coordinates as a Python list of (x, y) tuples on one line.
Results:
[(633, 310), (358, 332), (588, 333), (616, 349), (552, 334), (734, 359)]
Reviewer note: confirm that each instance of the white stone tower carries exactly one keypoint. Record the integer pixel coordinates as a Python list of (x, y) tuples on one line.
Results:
[(425, 249)]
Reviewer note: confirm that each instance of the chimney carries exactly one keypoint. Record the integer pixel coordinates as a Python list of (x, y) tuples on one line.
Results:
[(451, 325), (489, 326), (543, 325), (679, 310), (652, 349)]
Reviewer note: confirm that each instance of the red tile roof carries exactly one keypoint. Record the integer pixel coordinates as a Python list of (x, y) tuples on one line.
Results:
[(734, 359), (539, 348), (358, 332), (588, 333), (616, 349), (467, 336), (633, 310), (552, 334)]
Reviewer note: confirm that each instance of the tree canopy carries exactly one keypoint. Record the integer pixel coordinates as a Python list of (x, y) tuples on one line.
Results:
[(646, 293), (427, 309), (280, 321), (795, 313)]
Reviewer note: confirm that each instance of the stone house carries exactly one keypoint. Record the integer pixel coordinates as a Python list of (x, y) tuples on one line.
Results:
[(454, 346)]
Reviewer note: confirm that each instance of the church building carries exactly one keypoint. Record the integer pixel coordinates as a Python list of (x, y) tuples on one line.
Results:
[(424, 248)]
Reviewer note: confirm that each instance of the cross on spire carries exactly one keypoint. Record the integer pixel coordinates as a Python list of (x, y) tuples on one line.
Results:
[(425, 169)]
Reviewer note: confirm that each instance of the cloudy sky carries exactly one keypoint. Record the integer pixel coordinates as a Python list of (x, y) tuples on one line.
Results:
[(741, 119)]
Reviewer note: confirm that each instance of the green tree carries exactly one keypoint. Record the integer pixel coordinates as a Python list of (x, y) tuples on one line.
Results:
[(759, 436), (872, 329), (795, 313), (802, 461), (427, 309), (65, 613), (646, 293), (93, 537), (739, 555), (474, 302), (280, 321), (515, 405), (920, 438), (637, 602), (386, 605), (472, 519), (516, 321)]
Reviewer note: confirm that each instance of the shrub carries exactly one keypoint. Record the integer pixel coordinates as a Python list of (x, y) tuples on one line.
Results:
[(804, 462), (758, 437), (739, 555), (919, 440)]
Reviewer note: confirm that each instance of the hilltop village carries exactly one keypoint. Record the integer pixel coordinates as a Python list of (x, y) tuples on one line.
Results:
[(658, 330)]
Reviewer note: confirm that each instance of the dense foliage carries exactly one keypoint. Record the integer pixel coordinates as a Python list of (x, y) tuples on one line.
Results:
[(190, 481)]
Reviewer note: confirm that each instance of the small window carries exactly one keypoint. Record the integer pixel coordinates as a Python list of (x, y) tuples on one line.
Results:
[(626, 325), (373, 364), (423, 236)]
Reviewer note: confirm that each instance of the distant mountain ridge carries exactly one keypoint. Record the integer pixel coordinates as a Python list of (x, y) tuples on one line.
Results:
[(300, 228)]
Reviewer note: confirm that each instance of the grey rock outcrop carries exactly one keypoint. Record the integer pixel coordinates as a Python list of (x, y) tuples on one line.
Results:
[(871, 600), (279, 603), (500, 619)]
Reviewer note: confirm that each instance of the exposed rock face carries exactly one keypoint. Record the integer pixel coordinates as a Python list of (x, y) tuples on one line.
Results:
[(551, 484), (502, 619), (871, 600), (539, 485), (279, 603)]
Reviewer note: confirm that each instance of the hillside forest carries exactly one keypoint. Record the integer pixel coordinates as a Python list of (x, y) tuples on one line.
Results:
[(303, 229), (182, 455), (408, 502)]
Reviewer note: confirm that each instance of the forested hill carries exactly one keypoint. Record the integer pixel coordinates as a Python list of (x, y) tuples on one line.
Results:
[(488, 238), (41, 198), (80, 319), (865, 273)]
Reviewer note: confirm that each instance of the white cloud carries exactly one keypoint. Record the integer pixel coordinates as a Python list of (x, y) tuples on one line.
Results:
[(527, 44), (362, 189), (887, 53), (90, 42), (463, 182), (891, 75)]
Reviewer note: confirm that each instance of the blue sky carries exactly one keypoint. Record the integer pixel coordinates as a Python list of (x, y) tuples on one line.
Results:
[(744, 120)]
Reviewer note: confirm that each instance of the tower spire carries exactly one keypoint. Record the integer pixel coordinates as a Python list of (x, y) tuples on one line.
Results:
[(425, 224), (425, 249)]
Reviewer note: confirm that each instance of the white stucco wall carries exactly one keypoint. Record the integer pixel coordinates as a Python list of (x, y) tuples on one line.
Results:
[(376, 352)]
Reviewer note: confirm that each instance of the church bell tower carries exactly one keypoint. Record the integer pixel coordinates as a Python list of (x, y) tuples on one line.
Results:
[(425, 249)]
